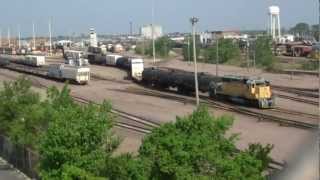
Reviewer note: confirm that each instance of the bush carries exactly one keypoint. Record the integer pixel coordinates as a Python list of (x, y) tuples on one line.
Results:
[(188, 49), (228, 50), (163, 46), (21, 112), (77, 136), (196, 147), (264, 55)]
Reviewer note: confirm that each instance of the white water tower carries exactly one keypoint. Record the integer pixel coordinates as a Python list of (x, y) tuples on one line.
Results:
[(275, 28), (93, 38)]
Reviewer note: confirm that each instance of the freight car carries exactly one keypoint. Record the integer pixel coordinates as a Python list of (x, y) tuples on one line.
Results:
[(29, 60), (255, 92), (76, 74)]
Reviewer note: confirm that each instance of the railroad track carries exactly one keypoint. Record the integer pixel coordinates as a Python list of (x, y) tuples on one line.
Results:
[(312, 93), (140, 124), (297, 99), (267, 115)]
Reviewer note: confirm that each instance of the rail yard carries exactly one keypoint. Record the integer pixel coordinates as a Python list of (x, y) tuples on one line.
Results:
[(142, 108), (164, 102)]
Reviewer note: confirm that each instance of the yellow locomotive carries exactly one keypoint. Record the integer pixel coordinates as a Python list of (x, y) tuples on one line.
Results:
[(248, 91)]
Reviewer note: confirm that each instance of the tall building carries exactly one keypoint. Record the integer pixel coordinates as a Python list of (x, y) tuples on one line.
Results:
[(146, 31), (93, 38)]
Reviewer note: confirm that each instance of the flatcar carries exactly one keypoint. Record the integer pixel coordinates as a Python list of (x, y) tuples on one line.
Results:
[(76, 74), (30, 60)]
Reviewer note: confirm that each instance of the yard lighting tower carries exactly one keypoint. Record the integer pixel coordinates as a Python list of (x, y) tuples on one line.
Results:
[(9, 42), (19, 37), (50, 39), (0, 37), (33, 36), (319, 63), (153, 37), (217, 57), (193, 21)]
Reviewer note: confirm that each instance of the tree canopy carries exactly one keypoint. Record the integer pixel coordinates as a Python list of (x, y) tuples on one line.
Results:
[(301, 29), (194, 147), (263, 52), (78, 138), (163, 46)]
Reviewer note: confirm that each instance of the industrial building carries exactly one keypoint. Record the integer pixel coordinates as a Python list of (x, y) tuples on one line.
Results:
[(146, 31)]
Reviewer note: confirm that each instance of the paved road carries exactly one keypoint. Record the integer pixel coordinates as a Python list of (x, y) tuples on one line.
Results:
[(8, 173)]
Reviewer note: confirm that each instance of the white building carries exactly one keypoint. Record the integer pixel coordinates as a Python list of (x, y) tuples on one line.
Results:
[(93, 38), (286, 38), (146, 31), (210, 37)]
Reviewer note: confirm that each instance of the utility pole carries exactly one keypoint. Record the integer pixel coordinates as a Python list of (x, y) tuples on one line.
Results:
[(33, 36), (189, 61), (131, 31), (194, 20), (50, 40), (153, 37), (319, 66), (0, 38), (217, 56), (254, 58), (19, 37), (9, 42)]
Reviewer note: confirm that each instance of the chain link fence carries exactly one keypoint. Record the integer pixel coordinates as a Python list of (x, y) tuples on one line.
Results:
[(20, 157)]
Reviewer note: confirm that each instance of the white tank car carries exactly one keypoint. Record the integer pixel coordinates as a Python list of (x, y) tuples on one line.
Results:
[(111, 59), (80, 75)]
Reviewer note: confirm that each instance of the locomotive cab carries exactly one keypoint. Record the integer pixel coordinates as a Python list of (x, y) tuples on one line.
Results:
[(260, 93)]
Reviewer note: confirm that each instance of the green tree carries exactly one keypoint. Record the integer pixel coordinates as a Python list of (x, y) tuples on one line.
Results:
[(188, 48), (78, 137), (196, 147), (227, 50), (263, 52), (315, 31), (21, 113), (163, 46), (301, 29)]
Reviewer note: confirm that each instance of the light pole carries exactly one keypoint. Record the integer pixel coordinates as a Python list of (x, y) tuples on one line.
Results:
[(189, 61), (319, 63), (50, 39), (217, 57), (153, 39), (193, 21), (9, 43), (19, 36), (0, 37), (33, 36)]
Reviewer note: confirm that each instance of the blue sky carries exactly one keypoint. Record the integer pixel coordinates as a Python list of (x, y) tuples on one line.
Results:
[(114, 16)]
